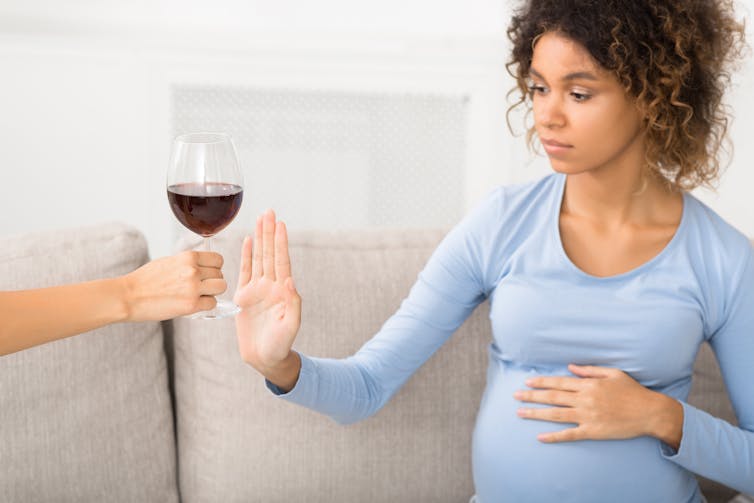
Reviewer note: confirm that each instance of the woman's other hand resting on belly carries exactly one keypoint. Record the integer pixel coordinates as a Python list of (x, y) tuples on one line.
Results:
[(605, 403)]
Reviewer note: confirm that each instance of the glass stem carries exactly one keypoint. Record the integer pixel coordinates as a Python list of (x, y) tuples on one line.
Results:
[(207, 246)]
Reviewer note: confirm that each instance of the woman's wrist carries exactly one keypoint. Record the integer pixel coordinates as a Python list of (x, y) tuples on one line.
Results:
[(666, 420), (285, 374)]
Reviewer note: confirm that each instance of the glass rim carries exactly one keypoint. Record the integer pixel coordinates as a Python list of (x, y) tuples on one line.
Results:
[(203, 137)]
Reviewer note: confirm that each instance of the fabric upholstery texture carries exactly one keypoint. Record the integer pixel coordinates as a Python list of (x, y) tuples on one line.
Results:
[(87, 418), (237, 442)]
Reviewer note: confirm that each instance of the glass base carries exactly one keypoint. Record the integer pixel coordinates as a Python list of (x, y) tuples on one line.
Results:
[(223, 309)]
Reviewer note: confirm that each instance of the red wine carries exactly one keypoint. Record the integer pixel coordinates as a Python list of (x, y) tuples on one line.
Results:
[(205, 208)]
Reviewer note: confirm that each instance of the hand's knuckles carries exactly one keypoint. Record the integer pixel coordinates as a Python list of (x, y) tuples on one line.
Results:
[(591, 386), (594, 416), (190, 257), (189, 272), (190, 305), (558, 414), (191, 291), (589, 402)]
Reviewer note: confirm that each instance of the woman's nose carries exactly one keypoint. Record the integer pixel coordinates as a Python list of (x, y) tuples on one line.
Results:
[(548, 112)]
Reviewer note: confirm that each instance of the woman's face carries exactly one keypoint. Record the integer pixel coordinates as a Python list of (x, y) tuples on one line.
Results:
[(583, 117)]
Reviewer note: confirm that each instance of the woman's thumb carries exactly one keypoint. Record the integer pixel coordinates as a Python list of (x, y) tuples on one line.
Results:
[(289, 284)]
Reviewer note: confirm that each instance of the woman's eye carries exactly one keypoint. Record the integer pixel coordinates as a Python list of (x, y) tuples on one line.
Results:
[(580, 96), (535, 89)]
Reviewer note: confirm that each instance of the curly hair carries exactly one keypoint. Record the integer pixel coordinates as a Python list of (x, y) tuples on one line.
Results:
[(673, 56)]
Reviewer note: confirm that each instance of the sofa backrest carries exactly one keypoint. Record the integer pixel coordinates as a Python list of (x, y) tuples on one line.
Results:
[(86, 418), (237, 442)]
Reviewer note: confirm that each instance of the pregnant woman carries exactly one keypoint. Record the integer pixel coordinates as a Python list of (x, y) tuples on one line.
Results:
[(604, 278)]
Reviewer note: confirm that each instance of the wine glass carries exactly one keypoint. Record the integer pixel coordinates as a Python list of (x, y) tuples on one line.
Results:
[(205, 190)]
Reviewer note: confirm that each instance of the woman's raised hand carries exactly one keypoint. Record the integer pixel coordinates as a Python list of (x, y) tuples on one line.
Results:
[(270, 306)]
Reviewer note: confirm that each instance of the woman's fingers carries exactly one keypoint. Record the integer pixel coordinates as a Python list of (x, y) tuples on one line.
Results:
[(269, 251), (282, 260), (592, 371), (268, 245), (556, 382), (256, 260), (567, 435), (553, 414), (549, 397), (244, 274)]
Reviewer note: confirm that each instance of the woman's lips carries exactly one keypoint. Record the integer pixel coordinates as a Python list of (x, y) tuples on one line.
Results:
[(554, 147)]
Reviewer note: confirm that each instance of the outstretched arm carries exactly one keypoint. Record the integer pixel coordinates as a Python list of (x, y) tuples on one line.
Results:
[(352, 388), (162, 289)]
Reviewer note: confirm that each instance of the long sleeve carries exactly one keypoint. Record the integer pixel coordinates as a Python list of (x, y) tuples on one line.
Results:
[(448, 289), (710, 446)]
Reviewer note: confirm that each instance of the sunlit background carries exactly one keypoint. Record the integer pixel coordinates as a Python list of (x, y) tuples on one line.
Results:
[(346, 114)]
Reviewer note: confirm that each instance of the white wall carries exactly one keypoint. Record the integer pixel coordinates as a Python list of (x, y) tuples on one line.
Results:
[(84, 128), (86, 125)]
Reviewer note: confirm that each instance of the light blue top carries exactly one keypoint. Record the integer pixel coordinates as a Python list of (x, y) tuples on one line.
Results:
[(547, 313)]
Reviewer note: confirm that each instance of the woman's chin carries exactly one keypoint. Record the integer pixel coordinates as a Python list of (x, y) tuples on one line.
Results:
[(559, 166), (566, 168)]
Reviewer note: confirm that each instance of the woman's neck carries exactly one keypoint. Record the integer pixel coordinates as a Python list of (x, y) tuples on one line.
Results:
[(619, 198)]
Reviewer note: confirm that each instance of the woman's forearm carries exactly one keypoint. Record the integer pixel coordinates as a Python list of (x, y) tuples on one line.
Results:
[(33, 317)]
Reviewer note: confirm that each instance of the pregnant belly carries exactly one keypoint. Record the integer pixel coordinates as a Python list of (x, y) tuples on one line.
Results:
[(511, 465)]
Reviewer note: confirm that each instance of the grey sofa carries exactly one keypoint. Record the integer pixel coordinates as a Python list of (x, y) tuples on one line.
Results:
[(168, 412)]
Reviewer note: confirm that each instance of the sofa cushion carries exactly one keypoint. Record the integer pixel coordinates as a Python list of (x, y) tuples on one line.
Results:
[(87, 418), (237, 442)]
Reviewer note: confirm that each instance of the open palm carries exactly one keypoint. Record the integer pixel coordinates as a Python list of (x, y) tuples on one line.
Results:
[(270, 306)]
